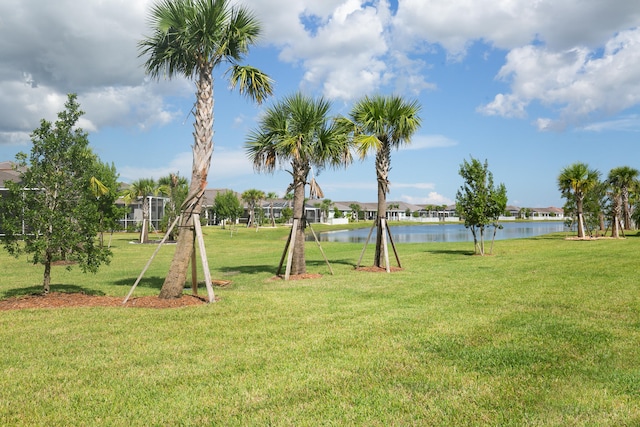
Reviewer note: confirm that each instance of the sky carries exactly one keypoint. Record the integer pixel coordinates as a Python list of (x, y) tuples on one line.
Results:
[(530, 86)]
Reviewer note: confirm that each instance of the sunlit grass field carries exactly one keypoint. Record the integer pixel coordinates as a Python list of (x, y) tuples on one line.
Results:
[(546, 331)]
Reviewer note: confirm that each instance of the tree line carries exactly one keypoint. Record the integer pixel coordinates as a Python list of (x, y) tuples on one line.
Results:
[(599, 204)]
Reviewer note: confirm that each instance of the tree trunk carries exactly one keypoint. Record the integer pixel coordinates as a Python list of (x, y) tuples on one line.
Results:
[(382, 171), (615, 221), (202, 149), (298, 262), (144, 232), (46, 281), (580, 218), (626, 216)]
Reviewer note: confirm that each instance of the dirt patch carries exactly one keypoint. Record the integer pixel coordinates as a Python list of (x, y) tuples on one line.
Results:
[(62, 299)]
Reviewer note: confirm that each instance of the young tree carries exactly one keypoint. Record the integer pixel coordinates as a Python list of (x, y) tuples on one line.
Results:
[(324, 207), (54, 199), (227, 207), (175, 187), (191, 38), (143, 188), (357, 209), (478, 201), (104, 185), (380, 124), (252, 198), (298, 131), (271, 196), (574, 182)]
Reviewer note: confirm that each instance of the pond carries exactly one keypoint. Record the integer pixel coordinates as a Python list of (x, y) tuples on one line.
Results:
[(444, 232)]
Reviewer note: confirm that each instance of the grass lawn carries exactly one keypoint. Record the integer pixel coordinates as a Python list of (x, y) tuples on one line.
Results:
[(544, 332)]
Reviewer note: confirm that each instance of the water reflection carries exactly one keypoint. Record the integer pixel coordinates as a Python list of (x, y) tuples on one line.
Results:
[(443, 232)]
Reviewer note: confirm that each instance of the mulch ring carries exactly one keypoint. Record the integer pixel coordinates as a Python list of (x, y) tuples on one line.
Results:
[(76, 299)]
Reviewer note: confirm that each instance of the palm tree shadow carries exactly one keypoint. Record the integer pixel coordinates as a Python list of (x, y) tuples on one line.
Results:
[(38, 290), (246, 269), (452, 252)]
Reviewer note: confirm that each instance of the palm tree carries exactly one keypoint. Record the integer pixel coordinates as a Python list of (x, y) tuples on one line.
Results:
[(252, 197), (623, 179), (176, 188), (142, 188), (271, 196), (298, 130), (382, 123), (191, 38), (575, 181)]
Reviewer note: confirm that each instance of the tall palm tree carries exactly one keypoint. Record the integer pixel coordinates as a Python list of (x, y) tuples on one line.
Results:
[(575, 181), (298, 131), (191, 38), (252, 197), (382, 123), (143, 188), (623, 179)]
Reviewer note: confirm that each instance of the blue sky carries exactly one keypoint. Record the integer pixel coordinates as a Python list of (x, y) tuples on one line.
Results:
[(529, 86)]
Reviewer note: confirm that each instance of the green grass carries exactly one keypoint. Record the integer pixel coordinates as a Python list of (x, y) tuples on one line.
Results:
[(544, 332)]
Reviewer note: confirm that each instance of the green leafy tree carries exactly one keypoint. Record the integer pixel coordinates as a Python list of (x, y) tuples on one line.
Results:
[(191, 38), (287, 214), (176, 188), (252, 198), (55, 200), (104, 186), (227, 208), (479, 201), (143, 189), (575, 182), (298, 131), (324, 207), (357, 209), (380, 124)]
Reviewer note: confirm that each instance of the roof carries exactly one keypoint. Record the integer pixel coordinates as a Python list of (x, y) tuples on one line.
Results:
[(8, 172)]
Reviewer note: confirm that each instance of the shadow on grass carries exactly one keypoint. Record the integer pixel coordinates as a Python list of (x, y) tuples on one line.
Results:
[(320, 263), (246, 269), (453, 252), (153, 282), (35, 290)]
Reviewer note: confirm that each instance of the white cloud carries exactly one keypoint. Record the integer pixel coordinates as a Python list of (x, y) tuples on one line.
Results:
[(578, 81), (422, 142), (180, 164), (553, 58), (225, 164), (433, 198), (506, 24), (416, 185), (625, 123)]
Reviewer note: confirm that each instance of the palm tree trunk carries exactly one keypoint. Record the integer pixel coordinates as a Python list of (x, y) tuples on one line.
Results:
[(382, 171), (580, 218), (298, 262), (626, 217), (202, 149), (144, 232)]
